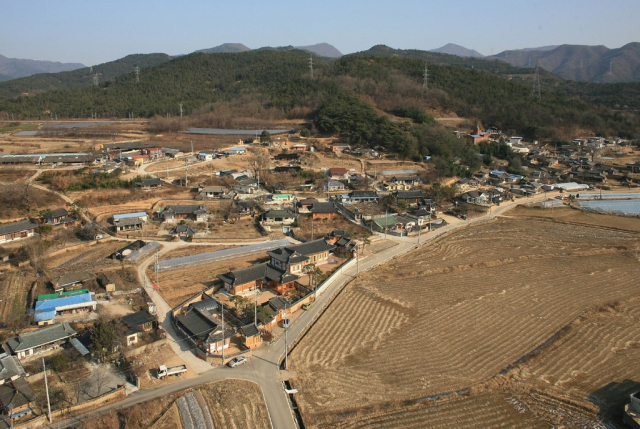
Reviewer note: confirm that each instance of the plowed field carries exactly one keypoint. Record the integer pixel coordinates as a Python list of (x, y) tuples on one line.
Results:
[(454, 314)]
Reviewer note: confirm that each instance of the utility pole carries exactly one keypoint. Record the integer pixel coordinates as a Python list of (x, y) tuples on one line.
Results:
[(136, 70), (186, 172), (286, 347), (425, 81), (311, 229), (255, 308), (180, 111), (419, 230), (311, 66), (157, 260), (191, 147), (46, 386), (222, 312), (357, 260), (386, 222)]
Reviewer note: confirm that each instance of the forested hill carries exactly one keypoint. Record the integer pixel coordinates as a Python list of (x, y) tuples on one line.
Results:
[(346, 97), (79, 77)]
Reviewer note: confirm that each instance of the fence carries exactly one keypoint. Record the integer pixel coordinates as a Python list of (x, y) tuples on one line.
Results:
[(143, 252), (332, 278), (220, 255)]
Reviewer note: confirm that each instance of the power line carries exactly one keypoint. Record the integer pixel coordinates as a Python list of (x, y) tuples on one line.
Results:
[(425, 80), (535, 90), (136, 70), (311, 66)]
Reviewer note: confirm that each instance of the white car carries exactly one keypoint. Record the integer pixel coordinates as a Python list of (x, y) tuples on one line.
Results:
[(237, 361)]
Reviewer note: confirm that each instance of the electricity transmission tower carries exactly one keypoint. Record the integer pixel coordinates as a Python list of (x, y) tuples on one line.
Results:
[(96, 79), (425, 81), (311, 66), (136, 70), (180, 111), (535, 90)]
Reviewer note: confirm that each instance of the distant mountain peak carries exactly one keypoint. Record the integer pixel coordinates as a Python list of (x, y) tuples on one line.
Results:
[(225, 48), (461, 51), (322, 49), (13, 68)]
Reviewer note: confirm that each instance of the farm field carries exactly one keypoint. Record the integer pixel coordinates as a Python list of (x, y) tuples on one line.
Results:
[(14, 287), (455, 314), (567, 214)]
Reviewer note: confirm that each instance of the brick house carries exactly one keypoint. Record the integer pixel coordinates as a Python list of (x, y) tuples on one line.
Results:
[(324, 210), (17, 230)]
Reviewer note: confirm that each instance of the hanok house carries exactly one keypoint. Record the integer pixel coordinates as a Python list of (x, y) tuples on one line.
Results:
[(150, 183), (279, 217), (342, 241), (183, 231), (251, 337), (191, 212), (128, 224), (106, 282), (258, 276), (305, 204), (338, 173), (10, 368), (294, 258), (32, 343), (474, 197), (71, 281), (16, 398), (17, 230), (137, 324), (360, 196), (204, 330), (60, 217), (286, 157), (210, 192), (324, 210), (410, 197), (278, 309)]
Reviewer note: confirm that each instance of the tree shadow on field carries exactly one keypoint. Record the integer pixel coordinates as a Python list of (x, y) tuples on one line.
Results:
[(612, 398)]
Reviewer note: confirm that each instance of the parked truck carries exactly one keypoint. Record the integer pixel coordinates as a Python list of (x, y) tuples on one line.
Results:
[(163, 371)]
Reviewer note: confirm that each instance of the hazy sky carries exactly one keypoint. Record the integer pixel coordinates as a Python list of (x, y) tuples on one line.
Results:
[(96, 32)]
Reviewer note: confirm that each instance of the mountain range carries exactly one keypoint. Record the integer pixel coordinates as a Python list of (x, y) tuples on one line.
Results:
[(321, 49), (580, 62), (13, 68)]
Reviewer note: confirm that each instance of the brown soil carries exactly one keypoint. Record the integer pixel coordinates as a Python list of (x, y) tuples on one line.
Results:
[(178, 285), (146, 365), (455, 314), (575, 216), (322, 227), (20, 201)]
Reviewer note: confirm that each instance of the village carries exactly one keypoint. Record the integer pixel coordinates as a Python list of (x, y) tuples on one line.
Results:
[(127, 263)]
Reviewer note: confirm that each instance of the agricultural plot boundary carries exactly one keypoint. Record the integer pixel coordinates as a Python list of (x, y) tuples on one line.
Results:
[(219, 255)]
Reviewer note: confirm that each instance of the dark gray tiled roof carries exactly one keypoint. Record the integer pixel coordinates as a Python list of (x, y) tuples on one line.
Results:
[(263, 272), (364, 194), (409, 194), (278, 303), (186, 209), (16, 393), (72, 278), (23, 225), (271, 214), (128, 221), (196, 324), (40, 337), (312, 247), (150, 182), (58, 212), (250, 330), (137, 319), (323, 208)]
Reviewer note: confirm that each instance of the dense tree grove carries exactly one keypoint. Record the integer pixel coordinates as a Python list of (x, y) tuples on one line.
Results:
[(347, 97)]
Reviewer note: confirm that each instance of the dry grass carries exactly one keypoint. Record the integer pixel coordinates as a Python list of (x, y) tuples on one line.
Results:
[(236, 403), (455, 314), (576, 216)]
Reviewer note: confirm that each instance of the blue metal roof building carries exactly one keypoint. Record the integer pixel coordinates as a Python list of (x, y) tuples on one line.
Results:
[(46, 311)]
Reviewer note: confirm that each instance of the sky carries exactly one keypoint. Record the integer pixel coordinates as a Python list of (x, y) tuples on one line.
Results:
[(97, 32)]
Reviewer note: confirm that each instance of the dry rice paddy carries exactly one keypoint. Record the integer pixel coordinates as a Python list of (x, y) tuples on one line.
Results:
[(454, 314)]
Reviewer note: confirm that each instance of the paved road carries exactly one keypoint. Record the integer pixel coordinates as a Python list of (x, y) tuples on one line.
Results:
[(263, 368)]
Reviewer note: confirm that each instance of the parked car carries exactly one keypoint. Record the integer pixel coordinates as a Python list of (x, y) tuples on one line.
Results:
[(286, 323), (237, 361), (306, 306)]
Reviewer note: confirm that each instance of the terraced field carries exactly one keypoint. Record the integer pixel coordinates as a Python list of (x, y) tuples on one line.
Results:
[(453, 316)]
